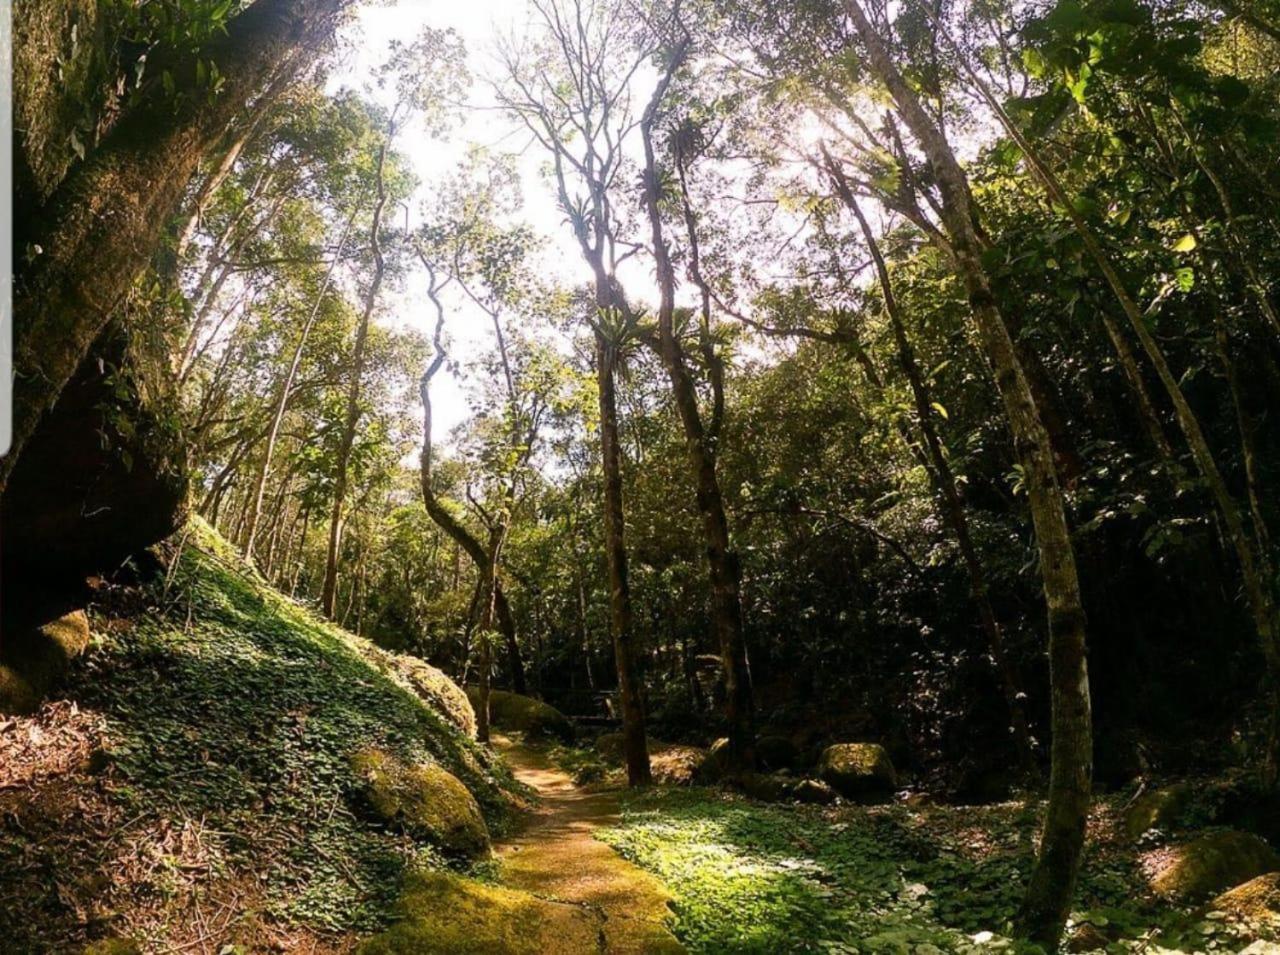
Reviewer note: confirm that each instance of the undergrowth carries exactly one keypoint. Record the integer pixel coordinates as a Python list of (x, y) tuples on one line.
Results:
[(754, 877), (230, 715)]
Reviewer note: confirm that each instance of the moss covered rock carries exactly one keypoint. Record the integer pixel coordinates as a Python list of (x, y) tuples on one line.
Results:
[(524, 714), (715, 764), (437, 690), (813, 791), (36, 659), (777, 752), (426, 800), (858, 769), (1259, 898), (1212, 863), (1157, 809), (443, 913)]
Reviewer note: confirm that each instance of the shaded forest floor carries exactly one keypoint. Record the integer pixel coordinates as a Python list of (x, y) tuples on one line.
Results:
[(916, 879), (199, 796)]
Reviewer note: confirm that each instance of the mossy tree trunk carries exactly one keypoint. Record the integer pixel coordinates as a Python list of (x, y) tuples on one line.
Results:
[(1053, 881), (99, 230), (722, 563)]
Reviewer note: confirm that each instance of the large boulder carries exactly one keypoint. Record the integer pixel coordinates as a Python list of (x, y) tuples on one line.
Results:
[(425, 800), (1257, 899), (437, 690), (777, 752), (1212, 863), (858, 770), (36, 654), (1158, 809), (524, 714), (716, 763)]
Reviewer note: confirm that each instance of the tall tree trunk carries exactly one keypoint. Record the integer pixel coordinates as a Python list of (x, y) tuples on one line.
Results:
[(1256, 567), (507, 627), (104, 223), (488, 593), (1053, 881), (463, 539), (635, 745), (722, 563), (329, 590), (951, 505), (582, 632)]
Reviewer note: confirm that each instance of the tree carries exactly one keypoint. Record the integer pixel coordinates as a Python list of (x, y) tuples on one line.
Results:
[(97, 233), (1052, 885)]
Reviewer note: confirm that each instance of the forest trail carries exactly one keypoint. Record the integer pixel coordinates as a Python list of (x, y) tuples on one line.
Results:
[(557, 857)]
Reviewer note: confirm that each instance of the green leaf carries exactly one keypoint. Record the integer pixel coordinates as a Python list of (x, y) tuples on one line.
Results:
[(1186, 279), (1185, 244)]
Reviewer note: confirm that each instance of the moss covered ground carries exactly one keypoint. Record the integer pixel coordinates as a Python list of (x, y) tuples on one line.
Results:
[(201, 785), (755, 877)]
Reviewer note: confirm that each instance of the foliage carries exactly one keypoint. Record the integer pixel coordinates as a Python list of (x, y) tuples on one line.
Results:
[(750, 877), (228, 705)]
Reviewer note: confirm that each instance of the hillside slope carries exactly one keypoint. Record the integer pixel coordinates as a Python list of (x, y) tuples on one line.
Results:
[(203, 787)]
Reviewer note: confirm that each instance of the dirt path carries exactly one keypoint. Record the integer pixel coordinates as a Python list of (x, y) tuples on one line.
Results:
[(557, 857)]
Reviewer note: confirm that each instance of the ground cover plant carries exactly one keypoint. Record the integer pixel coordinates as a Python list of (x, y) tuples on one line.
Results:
[(214, 788), (754, 877)]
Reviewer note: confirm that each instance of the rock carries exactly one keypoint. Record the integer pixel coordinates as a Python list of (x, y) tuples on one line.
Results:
[(36, 658), (438, 691), (777, 752), (858, 769), (1259, 898), (511, 711), (1212, 863), (716, 763), (675, 764), (1087, 938), (813, 791), (611, 746), (445, 913), (1157, 809), (426, 800), (1117, 760), (764, 787)]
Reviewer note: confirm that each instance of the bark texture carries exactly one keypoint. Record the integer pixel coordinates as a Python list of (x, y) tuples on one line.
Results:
[(722, 563), (1053, 881), (101, 227)]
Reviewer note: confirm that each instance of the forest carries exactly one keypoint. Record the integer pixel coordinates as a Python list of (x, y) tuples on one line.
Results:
[(642, 476)]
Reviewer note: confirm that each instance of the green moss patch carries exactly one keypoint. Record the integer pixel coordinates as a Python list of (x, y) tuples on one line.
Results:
[(228, 782), (753, 877), (441, 913)]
